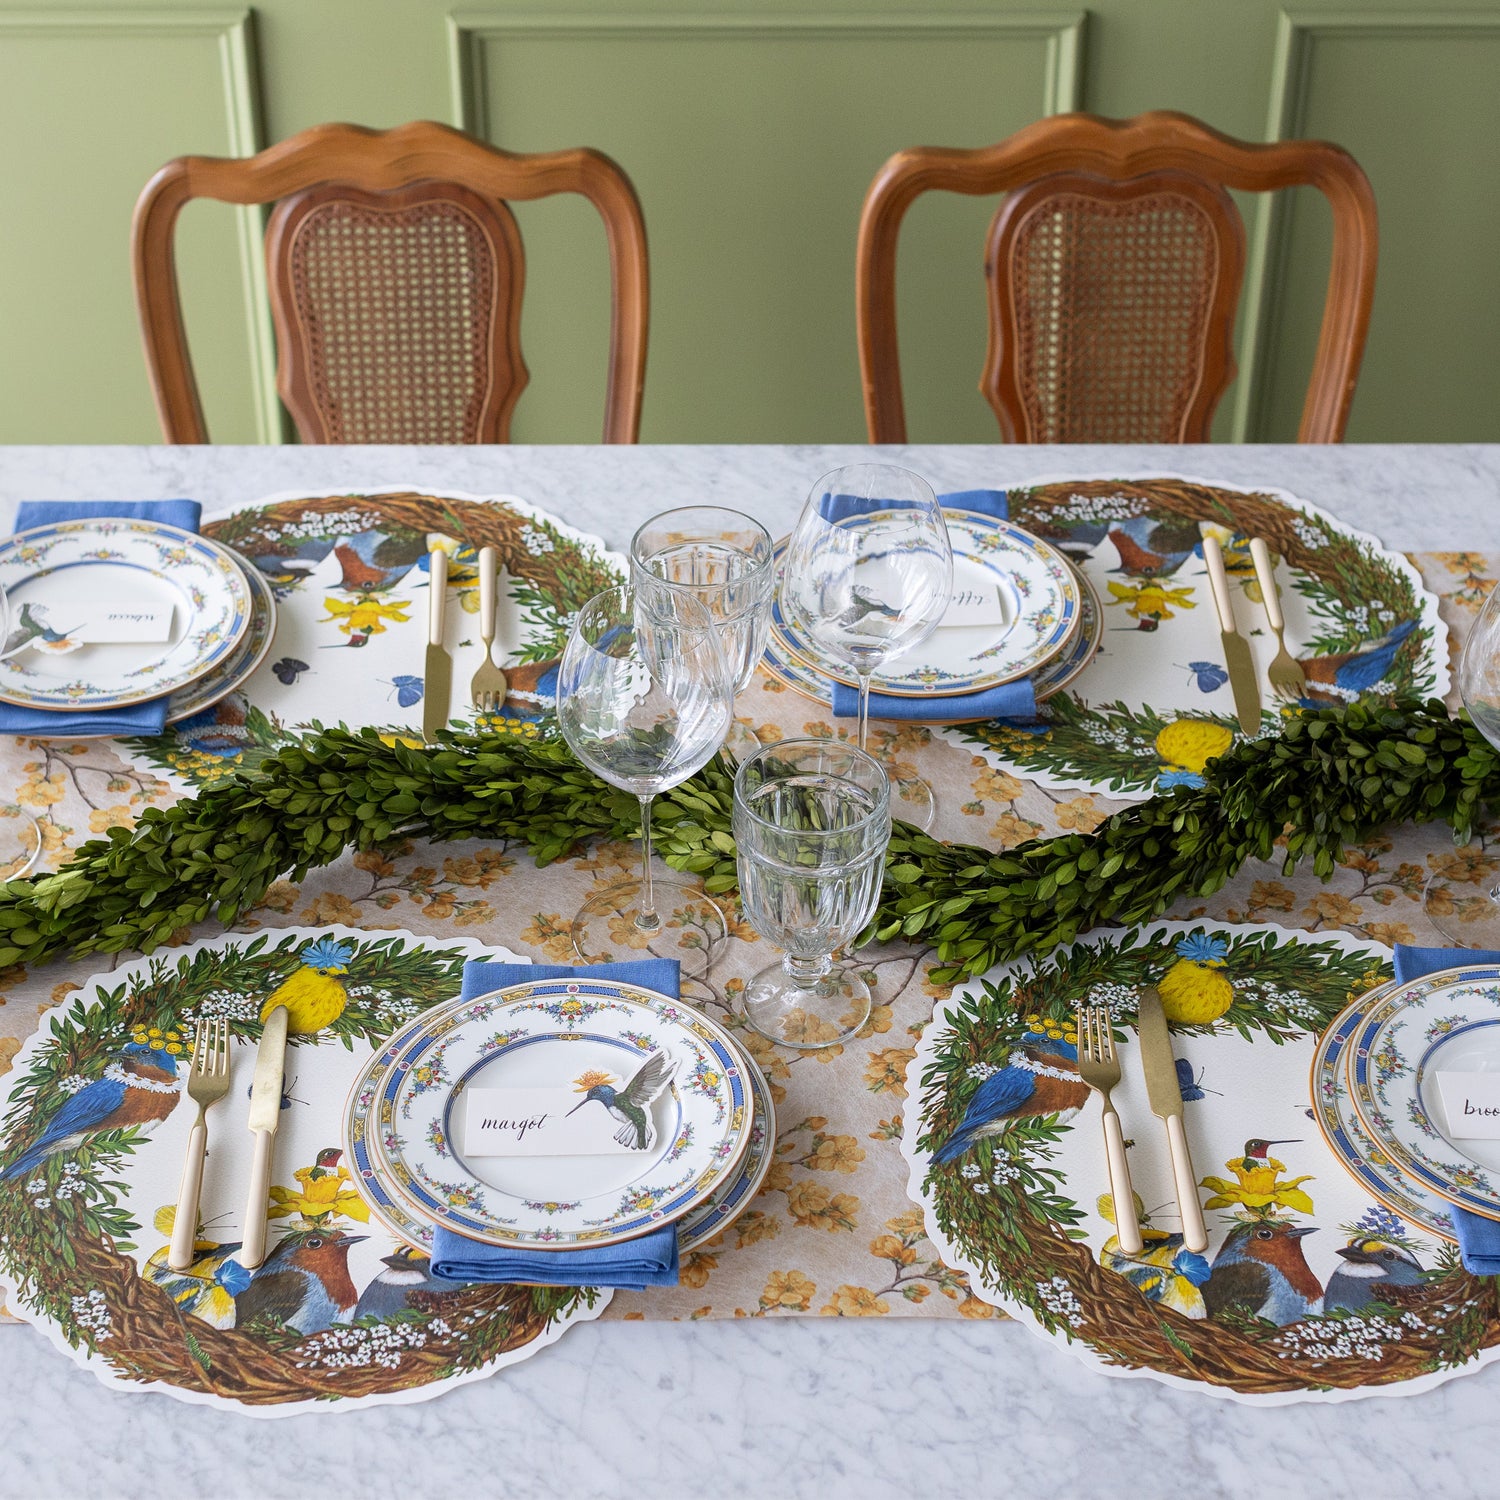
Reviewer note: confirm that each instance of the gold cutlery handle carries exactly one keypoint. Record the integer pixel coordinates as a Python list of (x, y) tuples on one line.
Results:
[(1194, 1231), (438, 600), (1127, 1226), (1218, 581), (185, 1225), (253, 1251), (1266, 577), (489, 569)]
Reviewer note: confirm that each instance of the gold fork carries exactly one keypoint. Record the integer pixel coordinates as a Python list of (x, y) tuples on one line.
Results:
[(208, 1082), (489, 687), (1288, 680), (1099, 1067)]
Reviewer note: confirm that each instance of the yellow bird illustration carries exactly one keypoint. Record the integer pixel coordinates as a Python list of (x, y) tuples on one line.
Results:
[(314, 996), (1195, 991), (208, 1287), (1164, 1270)]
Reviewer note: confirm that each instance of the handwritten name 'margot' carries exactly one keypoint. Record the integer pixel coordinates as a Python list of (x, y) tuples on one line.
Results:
[(518, 1128)]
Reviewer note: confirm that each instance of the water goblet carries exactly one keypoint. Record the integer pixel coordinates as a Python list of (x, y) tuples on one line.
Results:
[(867, 575), (812, 819), (643, 700), (20, 847), (724, 560), (1474, 921)]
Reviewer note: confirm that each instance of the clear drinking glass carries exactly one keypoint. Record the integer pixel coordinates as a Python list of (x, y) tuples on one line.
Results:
[(723, 559), (812, 819), (1473, 921), (868, 574), (20, 834), (643, 699)]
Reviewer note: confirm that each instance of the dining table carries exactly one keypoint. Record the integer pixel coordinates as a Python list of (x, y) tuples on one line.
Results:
[(669, 1401)]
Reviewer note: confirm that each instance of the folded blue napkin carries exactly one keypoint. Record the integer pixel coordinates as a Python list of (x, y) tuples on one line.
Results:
[(1478, 1237), (1010, 700), (135, 718), (633, 1265)]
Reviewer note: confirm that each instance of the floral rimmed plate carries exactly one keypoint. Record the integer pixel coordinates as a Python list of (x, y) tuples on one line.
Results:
[(1350, 1142), (1038, 607), (1387, 1054), (162, 566), (1049, 679), (237, 668), (561, 1033), (694, 1228)]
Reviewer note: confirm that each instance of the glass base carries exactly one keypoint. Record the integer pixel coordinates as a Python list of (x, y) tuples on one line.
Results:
[(606, 929), (1468, 915), (913, 801), (20, 846), (740, 743), (821, 1013)]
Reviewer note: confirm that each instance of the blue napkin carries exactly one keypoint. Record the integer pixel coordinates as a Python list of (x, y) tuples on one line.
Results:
[(146, 718), (633, 1265), (1478, 1237), (1010, 700)]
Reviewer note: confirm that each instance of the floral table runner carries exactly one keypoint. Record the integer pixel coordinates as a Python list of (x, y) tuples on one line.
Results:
[(834, 1232)]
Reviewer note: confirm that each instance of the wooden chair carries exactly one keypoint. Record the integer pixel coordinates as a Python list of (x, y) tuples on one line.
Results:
[(396, 274), (1114, 268)]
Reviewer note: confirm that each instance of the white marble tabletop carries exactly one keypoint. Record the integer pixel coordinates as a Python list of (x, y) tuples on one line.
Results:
[(799, 1406)]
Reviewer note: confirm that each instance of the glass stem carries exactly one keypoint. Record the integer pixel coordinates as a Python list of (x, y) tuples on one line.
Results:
[(646, 918), (864, 709), (805, 973)]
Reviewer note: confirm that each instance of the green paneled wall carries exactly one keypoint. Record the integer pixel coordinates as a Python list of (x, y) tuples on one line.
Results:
[(751, 137)]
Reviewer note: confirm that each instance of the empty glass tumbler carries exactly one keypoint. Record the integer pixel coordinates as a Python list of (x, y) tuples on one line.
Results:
[(723, 559), (812, 819)]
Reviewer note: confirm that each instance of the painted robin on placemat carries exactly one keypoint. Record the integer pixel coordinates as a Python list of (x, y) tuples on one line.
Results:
[(1260, 1269), (304, 1283)]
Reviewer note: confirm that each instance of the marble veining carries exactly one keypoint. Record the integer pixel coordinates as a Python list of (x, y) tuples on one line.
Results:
[(809, 1408)]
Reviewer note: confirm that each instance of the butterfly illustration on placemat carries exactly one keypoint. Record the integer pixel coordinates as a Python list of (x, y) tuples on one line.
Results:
[(1208, 675), (1188, 1086), (288, 669), (408, 689)]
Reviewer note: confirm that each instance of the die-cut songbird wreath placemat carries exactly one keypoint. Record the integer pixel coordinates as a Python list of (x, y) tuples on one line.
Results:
[(341, 1314), (1007, 1160)]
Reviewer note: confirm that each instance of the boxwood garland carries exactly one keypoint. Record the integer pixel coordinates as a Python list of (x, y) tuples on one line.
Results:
[(1331, 777)]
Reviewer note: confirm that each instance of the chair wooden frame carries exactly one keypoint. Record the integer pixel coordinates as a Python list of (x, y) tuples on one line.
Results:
[(382, 161), (1117, 150)]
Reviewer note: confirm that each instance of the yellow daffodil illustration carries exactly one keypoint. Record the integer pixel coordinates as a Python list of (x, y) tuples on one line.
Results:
[(326, 1192), (366, 615), (1257, 1185)]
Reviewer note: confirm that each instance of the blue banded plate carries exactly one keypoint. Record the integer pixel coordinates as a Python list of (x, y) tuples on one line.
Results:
[(560, 1033), (50, 567), (696, 1227), (1049, 679), (239, 666), (1338, 1120), (1396, 1039), (1038, 611)]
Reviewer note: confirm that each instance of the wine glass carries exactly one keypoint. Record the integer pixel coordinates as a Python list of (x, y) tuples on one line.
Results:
[(868, 574), (812, 819), (21, 846), (1474, 921), (643, 699), (724, 560)]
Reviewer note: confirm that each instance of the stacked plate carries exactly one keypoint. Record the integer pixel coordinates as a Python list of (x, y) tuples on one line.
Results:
[(222, 617), (1047, 626), (1379, 1103), (404, 1123)]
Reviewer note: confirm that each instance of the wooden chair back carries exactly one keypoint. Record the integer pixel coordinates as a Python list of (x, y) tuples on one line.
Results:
[(1114, 268), (396, 273)]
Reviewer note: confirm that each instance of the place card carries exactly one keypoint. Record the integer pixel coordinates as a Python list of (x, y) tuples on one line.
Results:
[(539, 1122), (1472, 1103), (100, 619), (969, 606)]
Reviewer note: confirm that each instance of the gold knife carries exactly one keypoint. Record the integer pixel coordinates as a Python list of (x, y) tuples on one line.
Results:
[(265, 1114), (437, 680), (1236, 647), (1166, 1103)]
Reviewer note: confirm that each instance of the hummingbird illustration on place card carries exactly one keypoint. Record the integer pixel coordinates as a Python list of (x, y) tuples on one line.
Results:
[(631, 1105)]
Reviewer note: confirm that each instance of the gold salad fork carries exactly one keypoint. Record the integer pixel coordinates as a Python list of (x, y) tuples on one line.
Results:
[(489, 687), (1288, 680), (208, 1082), (1099, 1067)]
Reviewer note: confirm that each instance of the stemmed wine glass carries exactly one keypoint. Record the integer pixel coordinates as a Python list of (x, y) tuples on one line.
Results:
[(812, 819), (643, 700), (724, 560), (868, 574), (1474, 921), (19, 850)]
